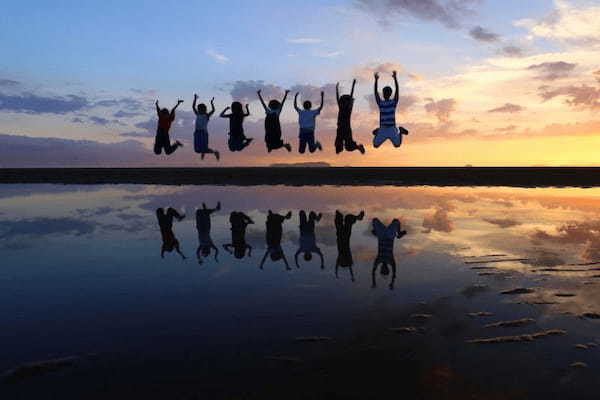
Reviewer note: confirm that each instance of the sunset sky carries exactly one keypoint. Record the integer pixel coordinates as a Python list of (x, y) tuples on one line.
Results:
[(482, 82)]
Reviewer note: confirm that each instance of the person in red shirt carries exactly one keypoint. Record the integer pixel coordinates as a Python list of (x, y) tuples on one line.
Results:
[(162, 140)]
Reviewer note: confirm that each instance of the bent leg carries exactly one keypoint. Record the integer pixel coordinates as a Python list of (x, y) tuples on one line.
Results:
[(378, 140), (396, 140)]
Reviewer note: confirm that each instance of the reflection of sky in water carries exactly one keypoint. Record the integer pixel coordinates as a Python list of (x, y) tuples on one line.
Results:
[(81, 268)]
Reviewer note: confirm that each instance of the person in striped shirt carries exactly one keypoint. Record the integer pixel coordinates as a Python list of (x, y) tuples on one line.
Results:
[(385, 248), (387, 115)]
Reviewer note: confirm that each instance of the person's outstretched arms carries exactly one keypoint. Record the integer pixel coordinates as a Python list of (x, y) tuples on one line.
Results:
[(157, 108), (337, 92), (396, 94), (212, 107), (353, 85), (322, 99), (247, 219), (176, 105), (296, 102), (194, 104), (261, 99), (223, 115), (284, 99), (376, 88), (247, 111)]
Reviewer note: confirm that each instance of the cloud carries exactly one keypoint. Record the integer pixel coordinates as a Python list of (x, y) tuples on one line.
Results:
[(9, 83), (100, 121), (450, 13), (571, 23), (415, 77), (483, 35), (144, 92), (509, 128), (511, 51), (218, 57), (331, 54), (586, 233), (303, 40), (503, 222), (507, 108), (438, 221), (40, 227), (365, 73), (442, 109), (126, 114), (583, 97), (133, 134), (245, 91), (29, 103), (550, 71)]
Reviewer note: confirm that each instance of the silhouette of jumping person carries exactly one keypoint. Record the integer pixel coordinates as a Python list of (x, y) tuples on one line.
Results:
[(272, 124), (165, 222), (239, 222), (237, 139), (308, 239), (385, 248), (274, 235), (306, 120), (162, 139), (201, 131), (343, 139), (387, 115), (205, 242), (343, 232)]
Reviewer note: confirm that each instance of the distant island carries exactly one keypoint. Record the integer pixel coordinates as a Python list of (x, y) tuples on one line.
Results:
[(320, 164)]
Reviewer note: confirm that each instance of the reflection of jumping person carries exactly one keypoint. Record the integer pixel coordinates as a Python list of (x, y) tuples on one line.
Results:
[(343, 139), (165, 222), (239, 222), (272, 124), (162, 139), (205, 243), (306, 120), (201, 131), (387, 115), (385, 248), (343, 231), (237, 139), (274, 236), (308, 239)]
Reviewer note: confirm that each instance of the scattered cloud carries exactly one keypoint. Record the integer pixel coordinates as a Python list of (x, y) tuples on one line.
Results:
[(507, 108), (29, 103), (550, 71), (503, 222), (365, 73), (415, 77), (450, 13), (582, 97), (511, 51), (304, 40), (331, 54), (245, 91), (442, 109), (438, 221), (484, 35), (218, 57), (9, 83)]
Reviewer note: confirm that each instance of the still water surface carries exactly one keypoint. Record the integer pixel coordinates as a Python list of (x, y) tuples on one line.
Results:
[(93, 272)]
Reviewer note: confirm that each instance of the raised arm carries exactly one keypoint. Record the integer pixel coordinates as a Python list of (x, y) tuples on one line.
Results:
[(322, 98), (212, 107), (376, 88), (337, 92), (157, 107), (284, 99), (247, 111), (353, 85), (296, 102), (261, 99), (222, 115), (194, 104), (176, 105), (396, 94)]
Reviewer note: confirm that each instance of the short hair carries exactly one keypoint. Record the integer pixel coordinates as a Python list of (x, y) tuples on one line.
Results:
[(307, 105)]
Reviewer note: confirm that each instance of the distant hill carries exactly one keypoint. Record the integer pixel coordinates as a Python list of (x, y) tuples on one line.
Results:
[(302, 164)]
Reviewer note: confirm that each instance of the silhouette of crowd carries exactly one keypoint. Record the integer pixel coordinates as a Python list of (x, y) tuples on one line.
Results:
[(236, 113)]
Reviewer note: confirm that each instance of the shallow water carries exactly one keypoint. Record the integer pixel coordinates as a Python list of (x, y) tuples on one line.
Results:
[(82, 276)]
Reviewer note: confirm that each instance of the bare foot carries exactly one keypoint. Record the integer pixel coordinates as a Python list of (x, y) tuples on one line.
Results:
[(288, 147), (217, 155), (361, 148)]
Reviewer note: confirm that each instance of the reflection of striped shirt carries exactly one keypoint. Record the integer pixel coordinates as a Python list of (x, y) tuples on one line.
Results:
[(385, 250), (387, 113)]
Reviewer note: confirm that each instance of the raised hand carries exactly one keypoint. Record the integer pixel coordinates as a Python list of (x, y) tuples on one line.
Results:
[(376, 75), (394, 74), (195, 96), (179, 101), (212, 100)]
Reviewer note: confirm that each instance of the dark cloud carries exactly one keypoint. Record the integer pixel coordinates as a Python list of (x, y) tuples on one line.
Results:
[(95, 120), (442, 109), (9, 83), (511, 51), (29, 103), (483, 35), (550, 71), (144, 92), (586, 233), (509, 128), (503, 222), (126, 114), (507, 108), (448, 12), (133, 134), (245, 91), (584, 96), (438, 221)]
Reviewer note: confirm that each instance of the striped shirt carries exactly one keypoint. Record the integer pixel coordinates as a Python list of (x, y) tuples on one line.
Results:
[(387, 112)]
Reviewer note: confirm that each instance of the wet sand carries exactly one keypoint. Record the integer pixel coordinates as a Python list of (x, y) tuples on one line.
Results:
[(298, 176)]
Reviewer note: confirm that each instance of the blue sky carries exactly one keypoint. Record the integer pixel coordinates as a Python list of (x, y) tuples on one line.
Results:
[(167, 49)]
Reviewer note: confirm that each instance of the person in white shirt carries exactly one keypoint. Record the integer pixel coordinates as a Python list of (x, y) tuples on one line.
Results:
[(306, 120), (201, 129)]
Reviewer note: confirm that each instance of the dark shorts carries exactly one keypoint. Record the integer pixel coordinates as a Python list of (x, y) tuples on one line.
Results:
[(201, 141)]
